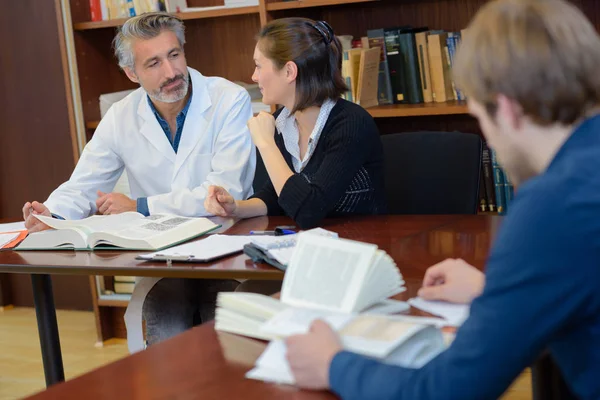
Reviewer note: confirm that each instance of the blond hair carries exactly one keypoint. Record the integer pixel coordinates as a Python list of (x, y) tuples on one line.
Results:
[(543, 54)]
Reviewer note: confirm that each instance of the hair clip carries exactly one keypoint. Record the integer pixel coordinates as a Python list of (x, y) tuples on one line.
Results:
[(325, 30)]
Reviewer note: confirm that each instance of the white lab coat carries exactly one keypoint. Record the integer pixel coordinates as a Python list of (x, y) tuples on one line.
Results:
[(215, 149)]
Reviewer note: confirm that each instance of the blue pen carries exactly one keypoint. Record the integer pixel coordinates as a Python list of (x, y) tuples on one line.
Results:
[(284, 232)]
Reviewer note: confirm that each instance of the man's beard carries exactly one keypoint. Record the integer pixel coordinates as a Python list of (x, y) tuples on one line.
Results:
[(173, 95)]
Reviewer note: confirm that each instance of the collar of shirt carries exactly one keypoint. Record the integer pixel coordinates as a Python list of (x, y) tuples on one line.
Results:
[(180, 120), (287, 127)]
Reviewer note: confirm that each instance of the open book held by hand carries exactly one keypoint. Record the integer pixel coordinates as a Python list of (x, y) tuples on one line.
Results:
[(347, 284), (126, 231), (327, 274)]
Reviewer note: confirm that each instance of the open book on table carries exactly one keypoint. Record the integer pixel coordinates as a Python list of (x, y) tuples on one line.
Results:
[(390, 339), (130, 231), (331, 275)]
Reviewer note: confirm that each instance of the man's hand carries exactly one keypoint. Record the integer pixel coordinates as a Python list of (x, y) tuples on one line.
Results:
[(262, 129), (32, 223), (114, 203), (452, 280), (310, 355), (219, 202)]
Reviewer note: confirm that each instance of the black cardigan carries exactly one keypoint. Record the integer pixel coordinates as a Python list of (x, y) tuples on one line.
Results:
[(344, 176)]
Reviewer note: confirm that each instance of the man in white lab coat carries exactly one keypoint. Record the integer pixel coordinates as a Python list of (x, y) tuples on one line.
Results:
[(175, 136)]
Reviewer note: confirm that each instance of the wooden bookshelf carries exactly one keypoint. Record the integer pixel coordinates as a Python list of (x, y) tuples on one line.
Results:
[(212, 13), (292, 5), (419, 110), (393, 111)]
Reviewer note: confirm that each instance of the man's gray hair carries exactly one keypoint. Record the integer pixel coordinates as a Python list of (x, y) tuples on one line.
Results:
[(145, 26)]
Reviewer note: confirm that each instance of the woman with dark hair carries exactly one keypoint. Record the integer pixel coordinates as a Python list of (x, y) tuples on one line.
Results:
[(322, 153)]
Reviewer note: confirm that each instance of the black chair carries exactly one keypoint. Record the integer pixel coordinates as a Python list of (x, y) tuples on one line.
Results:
[(432, 172), (261, 176)]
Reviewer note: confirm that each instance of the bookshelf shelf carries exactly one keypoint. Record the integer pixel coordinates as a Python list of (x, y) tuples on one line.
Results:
[(213, 13), (417, 110), (392, 111), (291, 5)]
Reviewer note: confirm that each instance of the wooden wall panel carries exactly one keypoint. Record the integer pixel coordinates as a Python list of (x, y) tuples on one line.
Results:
[(36, 149), (35, 139)]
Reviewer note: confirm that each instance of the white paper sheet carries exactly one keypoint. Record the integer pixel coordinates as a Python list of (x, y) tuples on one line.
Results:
[(12, 227), (209, 248), (6, 238), (454, 314)]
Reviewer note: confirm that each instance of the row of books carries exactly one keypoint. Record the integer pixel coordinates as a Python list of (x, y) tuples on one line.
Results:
[(414, 66), (103, 10), (496, 191)]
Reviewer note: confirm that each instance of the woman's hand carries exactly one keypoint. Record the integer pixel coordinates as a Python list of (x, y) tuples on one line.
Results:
[(262, 129)]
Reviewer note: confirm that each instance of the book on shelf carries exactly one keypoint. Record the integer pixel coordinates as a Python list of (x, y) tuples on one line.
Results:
[(360, 69), (414, 67), (337, 276), (124, 287), (126, 231)]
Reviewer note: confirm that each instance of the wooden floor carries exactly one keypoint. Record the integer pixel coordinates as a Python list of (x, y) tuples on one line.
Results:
[(21, 372)]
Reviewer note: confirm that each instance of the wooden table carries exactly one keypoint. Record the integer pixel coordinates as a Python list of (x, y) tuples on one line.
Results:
[(202, 363)]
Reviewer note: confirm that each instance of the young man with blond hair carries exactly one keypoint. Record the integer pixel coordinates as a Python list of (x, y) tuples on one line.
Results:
[(529, 70)]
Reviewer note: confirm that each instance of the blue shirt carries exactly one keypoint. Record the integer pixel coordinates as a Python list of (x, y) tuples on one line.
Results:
[(142, 202), (542, 292)]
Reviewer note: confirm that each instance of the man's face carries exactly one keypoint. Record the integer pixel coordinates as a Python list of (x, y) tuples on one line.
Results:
[(507, 135), (160, 67)]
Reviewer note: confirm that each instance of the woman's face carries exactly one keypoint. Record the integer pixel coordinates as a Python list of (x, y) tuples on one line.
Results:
[(272, 82)]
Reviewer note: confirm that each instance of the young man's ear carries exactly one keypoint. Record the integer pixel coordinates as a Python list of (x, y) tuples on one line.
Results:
[(131, 74), (508, 112), (291, 71)]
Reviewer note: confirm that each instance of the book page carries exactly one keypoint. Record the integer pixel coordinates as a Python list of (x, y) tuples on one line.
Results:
[(454, 314), (296, 321), (326, 273), (95, 223), (153, 232), (12, 227)]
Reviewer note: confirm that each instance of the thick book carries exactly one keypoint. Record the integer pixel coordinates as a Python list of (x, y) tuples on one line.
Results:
[(384, 86), (440, 67), (410, 60), (499, 183), (488, 176), (368, 72), (126, 231), (424, 69), (326, 274)]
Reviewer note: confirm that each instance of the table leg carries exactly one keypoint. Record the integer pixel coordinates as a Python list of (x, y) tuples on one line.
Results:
[(47, 328)]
